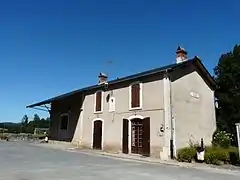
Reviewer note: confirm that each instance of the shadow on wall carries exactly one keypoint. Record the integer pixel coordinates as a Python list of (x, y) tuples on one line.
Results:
[(72, 106)]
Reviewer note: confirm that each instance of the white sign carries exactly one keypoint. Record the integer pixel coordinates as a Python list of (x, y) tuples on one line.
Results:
[(112, 104), (195, 95)]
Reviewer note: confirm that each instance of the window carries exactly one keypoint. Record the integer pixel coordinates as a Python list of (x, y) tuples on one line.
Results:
[(64, 122), (135, 96), (98, 101)]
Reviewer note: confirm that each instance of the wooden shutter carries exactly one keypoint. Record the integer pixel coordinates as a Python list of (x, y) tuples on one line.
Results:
[(146, 137), (125, 137), (135, 90), (99, 101)]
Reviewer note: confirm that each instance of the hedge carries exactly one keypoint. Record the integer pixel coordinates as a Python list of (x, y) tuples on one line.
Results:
[(186, 154), (213, 155)]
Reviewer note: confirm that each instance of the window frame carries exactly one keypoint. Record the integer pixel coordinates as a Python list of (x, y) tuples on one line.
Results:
[(140, 96), (64, 114), (95, 101)]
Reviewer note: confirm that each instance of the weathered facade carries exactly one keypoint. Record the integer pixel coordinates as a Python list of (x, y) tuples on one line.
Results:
[(151, 113)]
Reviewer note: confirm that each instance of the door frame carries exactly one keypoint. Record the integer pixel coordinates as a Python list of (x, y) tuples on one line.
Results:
[(98, 119), (130, 118)]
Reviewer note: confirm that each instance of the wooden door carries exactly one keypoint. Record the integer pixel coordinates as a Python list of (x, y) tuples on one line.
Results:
[(146, 137), (137, 136), (125, 136), (97, 135)]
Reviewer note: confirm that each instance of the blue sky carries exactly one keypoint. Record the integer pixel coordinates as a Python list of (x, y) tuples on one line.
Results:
[(49, 47)]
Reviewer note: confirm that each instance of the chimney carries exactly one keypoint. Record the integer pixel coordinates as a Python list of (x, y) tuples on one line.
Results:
[(102, 78), (181, 55)]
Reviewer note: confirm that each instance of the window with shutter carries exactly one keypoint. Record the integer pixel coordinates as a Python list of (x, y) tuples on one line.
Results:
[(135, 95), (98, 101)]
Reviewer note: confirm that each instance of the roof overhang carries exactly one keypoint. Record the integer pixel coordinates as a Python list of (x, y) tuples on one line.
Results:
[(164, 69)]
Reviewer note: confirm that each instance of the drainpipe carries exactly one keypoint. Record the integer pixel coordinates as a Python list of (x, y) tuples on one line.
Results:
[(172, 139), (169, 125)]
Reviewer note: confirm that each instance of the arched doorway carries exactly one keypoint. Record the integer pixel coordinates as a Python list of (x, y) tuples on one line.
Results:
[(136, 136), (97, 134)]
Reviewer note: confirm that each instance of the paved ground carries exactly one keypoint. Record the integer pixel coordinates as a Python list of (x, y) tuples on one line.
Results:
[(22, 161)]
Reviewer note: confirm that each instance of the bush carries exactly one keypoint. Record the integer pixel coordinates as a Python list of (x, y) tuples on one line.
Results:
[(221, 154), (211, 157), (234, 156), (217, 155), (222, 139), (186, 154)]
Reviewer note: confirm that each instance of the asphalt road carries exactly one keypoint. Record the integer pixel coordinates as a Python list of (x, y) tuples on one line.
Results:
[(22, 161)]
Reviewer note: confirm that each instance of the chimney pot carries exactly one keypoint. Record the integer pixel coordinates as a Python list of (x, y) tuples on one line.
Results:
[(102, 78), (181, 54)]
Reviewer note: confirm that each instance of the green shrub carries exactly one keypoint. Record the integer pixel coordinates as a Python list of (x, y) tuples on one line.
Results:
[(233, 156), (222, 139), (186, 154), (211, 157), (218, 155)]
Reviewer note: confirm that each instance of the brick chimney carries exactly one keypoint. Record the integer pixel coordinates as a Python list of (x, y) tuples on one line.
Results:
[(102, 78), (181, 55)]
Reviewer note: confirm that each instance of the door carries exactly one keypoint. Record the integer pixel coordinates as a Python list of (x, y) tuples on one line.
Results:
[(137, 136), (97, 134), (146, 137), (125, 136)]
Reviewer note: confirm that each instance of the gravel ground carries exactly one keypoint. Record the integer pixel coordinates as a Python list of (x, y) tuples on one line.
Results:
[(24, 161)]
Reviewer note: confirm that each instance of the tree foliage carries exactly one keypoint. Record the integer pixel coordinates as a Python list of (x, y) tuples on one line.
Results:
[(227, 76), (26, 126), (36, 117), (25, 120)]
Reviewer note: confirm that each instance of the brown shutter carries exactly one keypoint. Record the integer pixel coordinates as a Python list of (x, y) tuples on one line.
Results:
[(135, 95), (125, 137), (98, 101), (146, 137)]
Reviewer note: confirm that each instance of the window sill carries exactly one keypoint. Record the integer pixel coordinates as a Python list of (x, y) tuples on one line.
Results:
[(135, 108), (98, 112)]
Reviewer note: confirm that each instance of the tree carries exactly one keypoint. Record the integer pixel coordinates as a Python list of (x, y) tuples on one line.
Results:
[(25, 120), (24, 123), (36, 117), (227, 76)]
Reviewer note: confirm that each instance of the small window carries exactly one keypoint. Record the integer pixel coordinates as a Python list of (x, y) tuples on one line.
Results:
[(64, 122), (135, 95), (98, 101)]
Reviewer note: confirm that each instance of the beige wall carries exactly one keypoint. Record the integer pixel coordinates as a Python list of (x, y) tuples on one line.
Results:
[(112, 133), (194, 116)]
